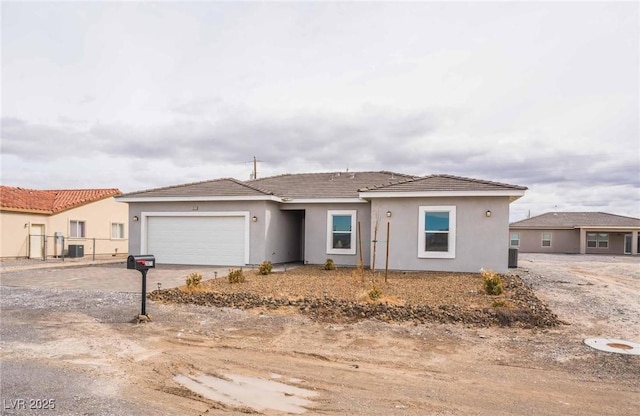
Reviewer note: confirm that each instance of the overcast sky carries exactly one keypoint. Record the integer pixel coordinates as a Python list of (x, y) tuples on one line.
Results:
[(141, 95)]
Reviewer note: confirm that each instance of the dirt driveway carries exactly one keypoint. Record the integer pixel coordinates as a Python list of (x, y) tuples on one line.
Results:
[(77, 349)]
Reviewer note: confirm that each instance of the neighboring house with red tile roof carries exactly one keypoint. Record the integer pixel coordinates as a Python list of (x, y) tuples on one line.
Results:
[(577, 233), (436, 222), (38, 223)]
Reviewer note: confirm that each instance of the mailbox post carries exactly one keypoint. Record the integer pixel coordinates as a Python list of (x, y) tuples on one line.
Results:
[(142, 264)]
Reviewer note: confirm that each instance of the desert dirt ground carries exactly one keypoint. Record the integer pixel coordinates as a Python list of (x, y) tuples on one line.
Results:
[(79, 348)]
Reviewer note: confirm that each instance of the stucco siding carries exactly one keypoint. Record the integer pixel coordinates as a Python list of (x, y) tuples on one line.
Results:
[(481, 241), (315, 243), (562, 241)]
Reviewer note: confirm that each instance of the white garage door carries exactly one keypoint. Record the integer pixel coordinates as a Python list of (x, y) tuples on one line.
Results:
[(197, 240)]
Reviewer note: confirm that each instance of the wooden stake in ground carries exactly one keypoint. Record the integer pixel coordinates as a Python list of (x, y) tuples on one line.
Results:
[(375, 244), (386, 263)]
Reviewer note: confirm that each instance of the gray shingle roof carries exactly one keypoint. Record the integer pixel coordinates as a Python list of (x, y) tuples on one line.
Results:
[(326, 185), (217, 187), (444, 183), (322, 185), (576, 219)]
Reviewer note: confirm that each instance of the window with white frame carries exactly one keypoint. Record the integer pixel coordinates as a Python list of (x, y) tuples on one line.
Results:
[(76, 229), (597, 240), (546, 239), (437, 231), (341, 232), (514, 240), (117, 231)]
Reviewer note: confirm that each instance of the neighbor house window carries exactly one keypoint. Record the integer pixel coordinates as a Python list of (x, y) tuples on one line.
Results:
[(514, 240), (76, 229), (437, 231), (341, 232), (597, 240), (546, 239), (117, 231)]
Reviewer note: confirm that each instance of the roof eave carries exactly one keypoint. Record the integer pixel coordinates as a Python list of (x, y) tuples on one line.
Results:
[(513, 194), (129, 199)]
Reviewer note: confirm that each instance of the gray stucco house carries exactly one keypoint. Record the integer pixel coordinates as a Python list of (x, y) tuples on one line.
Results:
[(576, 233), (436, 222)]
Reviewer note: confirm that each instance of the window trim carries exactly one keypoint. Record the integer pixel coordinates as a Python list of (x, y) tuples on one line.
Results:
[(84, 229), (598, 241), (511, 239), (330, 215), (123, 231), (451, 252), (544, 239)]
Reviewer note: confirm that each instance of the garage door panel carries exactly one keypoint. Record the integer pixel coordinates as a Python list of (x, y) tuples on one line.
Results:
[(202, 240)]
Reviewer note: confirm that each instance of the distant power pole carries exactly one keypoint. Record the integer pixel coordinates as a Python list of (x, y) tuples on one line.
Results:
[(254, 174)]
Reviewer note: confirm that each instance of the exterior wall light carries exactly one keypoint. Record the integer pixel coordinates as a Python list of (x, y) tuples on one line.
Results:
[(254, 219), (388, 213), (135, 218), (487, 214)]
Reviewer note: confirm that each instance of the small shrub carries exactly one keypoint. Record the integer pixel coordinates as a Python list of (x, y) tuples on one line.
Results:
[(375, 293), (265, 267), (329, 265), (236, 276), (492, 282), (193, 280), (499, 303)]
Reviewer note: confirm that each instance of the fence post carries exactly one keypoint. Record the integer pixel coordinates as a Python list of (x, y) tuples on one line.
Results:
[(62, 254), (94, 249), (44, 243)]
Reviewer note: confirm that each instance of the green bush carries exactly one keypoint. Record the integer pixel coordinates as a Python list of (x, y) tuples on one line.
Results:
[(265, 267), (492, 282), (329, 265), (193, 280), (375, 293), (236, 276)]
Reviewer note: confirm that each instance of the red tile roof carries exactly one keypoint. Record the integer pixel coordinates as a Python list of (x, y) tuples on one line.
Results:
[(49, 201)]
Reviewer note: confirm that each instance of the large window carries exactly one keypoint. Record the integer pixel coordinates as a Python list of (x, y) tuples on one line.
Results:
[(117, 231), (76, 229), (597, 240), (514, 240), (341, 232), (546, 239), (437, 232)]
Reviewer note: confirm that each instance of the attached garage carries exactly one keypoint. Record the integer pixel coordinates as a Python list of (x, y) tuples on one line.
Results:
[(198, 239)]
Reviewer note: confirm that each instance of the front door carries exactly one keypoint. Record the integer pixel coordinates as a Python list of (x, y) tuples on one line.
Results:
[(627, 243), (36, 241)]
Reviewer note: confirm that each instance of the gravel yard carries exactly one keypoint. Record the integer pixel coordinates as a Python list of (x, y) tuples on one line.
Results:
[(80, 348)]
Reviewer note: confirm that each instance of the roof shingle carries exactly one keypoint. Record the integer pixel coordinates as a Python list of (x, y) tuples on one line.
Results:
[(433, 183), (576, 219)]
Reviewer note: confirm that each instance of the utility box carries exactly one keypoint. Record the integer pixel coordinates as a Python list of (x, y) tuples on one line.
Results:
[(76, 250), (513, 258), (141, 262)]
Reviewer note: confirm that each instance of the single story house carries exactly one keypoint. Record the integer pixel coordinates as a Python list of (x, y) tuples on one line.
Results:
[(436, 222), (576, 232), (70, 222)]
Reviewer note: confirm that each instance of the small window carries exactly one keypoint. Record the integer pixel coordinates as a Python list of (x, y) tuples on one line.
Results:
[(341, 232), (592, 240), (437, 232), (117, 231), (514, 240), (76, 229), (546, 239)]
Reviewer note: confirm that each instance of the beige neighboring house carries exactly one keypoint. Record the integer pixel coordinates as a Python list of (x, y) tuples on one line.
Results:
[(69, 222), (576, 233)]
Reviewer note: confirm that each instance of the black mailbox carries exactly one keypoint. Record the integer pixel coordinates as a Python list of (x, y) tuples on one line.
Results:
[(144, 262)]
